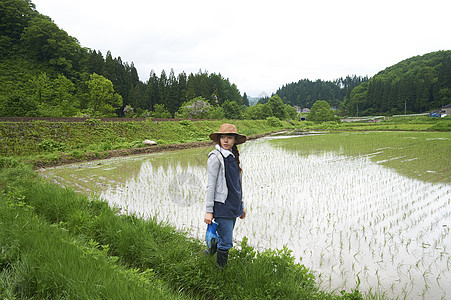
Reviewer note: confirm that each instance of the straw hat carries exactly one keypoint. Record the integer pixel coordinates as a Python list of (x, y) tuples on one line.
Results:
[(228, 129)]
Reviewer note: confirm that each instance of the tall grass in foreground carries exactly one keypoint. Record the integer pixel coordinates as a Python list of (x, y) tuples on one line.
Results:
[(59, 268), (42, 261)]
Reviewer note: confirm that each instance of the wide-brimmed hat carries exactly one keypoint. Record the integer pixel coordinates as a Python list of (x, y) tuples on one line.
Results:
[(228, 129)]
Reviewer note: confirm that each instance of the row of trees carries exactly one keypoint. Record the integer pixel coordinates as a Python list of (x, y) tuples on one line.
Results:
[(305, 92), (56, 98), (201, 108), (169, 90), (172, 91)]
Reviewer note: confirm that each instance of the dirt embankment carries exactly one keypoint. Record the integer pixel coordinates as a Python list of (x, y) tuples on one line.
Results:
[(67, 159)]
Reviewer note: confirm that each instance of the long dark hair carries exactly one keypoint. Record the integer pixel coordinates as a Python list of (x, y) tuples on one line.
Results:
[(234, 150), (236, 153)]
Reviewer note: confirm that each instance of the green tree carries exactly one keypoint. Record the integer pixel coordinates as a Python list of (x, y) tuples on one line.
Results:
[(444, 80), (152, 94), (257, 112), (134, 97), (172, 96), (291, 112), (160, 111), (277, 107), (356, 104), (63, 96), (42, 87), (14, 18), (232, 110), (216, 112), (19, 105), (95, 62), (45, 41), (162, 88), (182, 80), (321, 112), (103, 100), (245, 100)]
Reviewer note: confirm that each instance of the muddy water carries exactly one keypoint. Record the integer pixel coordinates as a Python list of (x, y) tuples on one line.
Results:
[(353, 221)]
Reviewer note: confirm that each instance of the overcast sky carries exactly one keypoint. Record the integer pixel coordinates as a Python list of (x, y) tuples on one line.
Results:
[(259, 45)]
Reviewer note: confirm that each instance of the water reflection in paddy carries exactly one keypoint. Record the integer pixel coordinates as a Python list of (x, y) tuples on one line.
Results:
[(353, 221)]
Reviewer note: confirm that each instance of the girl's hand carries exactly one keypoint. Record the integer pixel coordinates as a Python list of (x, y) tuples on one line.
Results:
[(208, 218), (244, 214)]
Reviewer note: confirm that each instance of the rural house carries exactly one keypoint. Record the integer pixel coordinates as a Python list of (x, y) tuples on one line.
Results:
[(446, 110)]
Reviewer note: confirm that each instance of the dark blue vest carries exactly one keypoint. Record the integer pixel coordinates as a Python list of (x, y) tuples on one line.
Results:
[(232, 207)]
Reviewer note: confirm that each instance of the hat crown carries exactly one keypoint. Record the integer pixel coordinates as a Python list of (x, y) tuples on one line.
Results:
[(227, 128)]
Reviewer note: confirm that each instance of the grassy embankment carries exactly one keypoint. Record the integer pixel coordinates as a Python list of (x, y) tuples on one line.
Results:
[(50, 143)]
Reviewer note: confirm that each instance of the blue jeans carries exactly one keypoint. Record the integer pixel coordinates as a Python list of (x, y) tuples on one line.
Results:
[(225, 232)]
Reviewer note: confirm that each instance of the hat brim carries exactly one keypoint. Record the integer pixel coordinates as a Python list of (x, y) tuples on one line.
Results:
[(239, 137)]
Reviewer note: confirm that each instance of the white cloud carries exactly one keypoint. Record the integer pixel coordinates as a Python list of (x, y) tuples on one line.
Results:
[(258, 45)]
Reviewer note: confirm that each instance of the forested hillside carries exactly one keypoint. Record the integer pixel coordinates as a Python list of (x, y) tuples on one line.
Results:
[(414, 85), (305, 92), (46, 72)]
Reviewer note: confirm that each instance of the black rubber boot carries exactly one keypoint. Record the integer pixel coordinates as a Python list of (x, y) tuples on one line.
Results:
[(213, 249), (222, 257)]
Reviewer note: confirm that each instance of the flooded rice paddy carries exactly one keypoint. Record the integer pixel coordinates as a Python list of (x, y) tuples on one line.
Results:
[(354, 221)]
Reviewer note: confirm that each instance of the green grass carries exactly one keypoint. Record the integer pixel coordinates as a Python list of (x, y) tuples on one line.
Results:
[(39, 260), (70, 244)]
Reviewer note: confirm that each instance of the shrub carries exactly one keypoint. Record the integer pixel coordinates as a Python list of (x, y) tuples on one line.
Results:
[(76, 153), (274, 122), (442, 125), (160, 112), (8, 162), (186, 122), (52, 146), (93, 121), (197, 108)]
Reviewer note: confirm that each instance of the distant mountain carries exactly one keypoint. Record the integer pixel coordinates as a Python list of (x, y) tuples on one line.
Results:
[(252, 100)]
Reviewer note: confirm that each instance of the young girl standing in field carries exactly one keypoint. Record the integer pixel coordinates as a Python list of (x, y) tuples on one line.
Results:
[(224, 192)]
